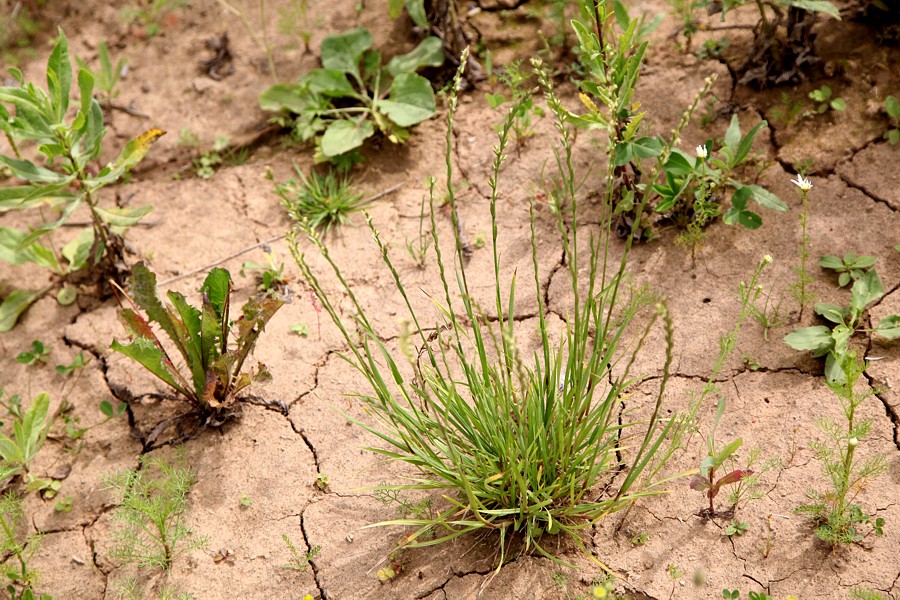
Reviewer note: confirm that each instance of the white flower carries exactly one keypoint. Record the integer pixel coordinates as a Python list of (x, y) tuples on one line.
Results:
[(852, 442), (767, 258), (802, 183), (701, 152)]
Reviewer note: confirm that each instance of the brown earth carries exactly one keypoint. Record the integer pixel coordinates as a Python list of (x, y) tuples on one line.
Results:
[(775, 394)]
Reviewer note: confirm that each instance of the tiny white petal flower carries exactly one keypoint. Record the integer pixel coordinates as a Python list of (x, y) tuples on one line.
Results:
[(701, 152), (767, 258), (802, 183)]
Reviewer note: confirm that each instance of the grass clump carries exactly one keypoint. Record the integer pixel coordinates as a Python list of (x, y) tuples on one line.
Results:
[(519, 446), (319, 201)]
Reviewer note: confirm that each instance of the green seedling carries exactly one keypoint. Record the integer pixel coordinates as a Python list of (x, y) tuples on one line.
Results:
[(107, 77), (706, 480), (301, 329), (418, 248), (78, 363), (735, 527), (850, 268), (64, 505), (246, 501), (151, 506), (825, 102), (269, 275), (153, 15), (319, 201), (345, 102), (733, 594), (892, 108), (517, 80), (640, 539), (867, 594), (321, 482), (29, 431), (17, 572), (69, 181), (837, 518), (201, 336), (37, 355), (831, 341), (769, 315), (299, 561)]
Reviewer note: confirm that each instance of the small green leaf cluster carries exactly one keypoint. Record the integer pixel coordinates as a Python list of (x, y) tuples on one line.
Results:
[(107, 77), (734, 594), (892, 108), (22, 578), (823, 97), (319, 201), (270, 275), (516, 79), (152, 502), (29, 431), (201, 336), (849, 268), (37, 355), (831, 341), (838, 519), (353, 95)]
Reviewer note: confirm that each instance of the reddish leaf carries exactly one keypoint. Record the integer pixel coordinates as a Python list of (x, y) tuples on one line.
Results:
[(135, 325), (733, 477), (699, 483)]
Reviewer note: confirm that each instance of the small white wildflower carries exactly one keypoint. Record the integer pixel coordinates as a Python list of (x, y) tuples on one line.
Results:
[(701, 152), (852, 442), (802, 183), (767, 258)]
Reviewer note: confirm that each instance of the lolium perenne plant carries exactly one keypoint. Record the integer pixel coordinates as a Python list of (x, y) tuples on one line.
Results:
[(352, 95), (62, 179), (216, 375), (520, 446)]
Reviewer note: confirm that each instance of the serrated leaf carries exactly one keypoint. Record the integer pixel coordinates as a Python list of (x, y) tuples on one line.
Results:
[(217, 287), (429, 53), (151, 358)]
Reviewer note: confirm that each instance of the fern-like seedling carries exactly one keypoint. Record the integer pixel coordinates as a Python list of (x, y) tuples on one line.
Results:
[(201, 336), (152, 502)]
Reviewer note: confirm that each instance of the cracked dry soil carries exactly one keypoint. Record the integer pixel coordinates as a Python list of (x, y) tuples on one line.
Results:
[(272, 454)]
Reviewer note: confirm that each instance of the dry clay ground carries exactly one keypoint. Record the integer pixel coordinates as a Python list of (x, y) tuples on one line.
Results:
[(273, 456)]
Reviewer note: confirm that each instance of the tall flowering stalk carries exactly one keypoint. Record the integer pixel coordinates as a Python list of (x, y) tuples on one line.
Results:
[(800, 288)]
